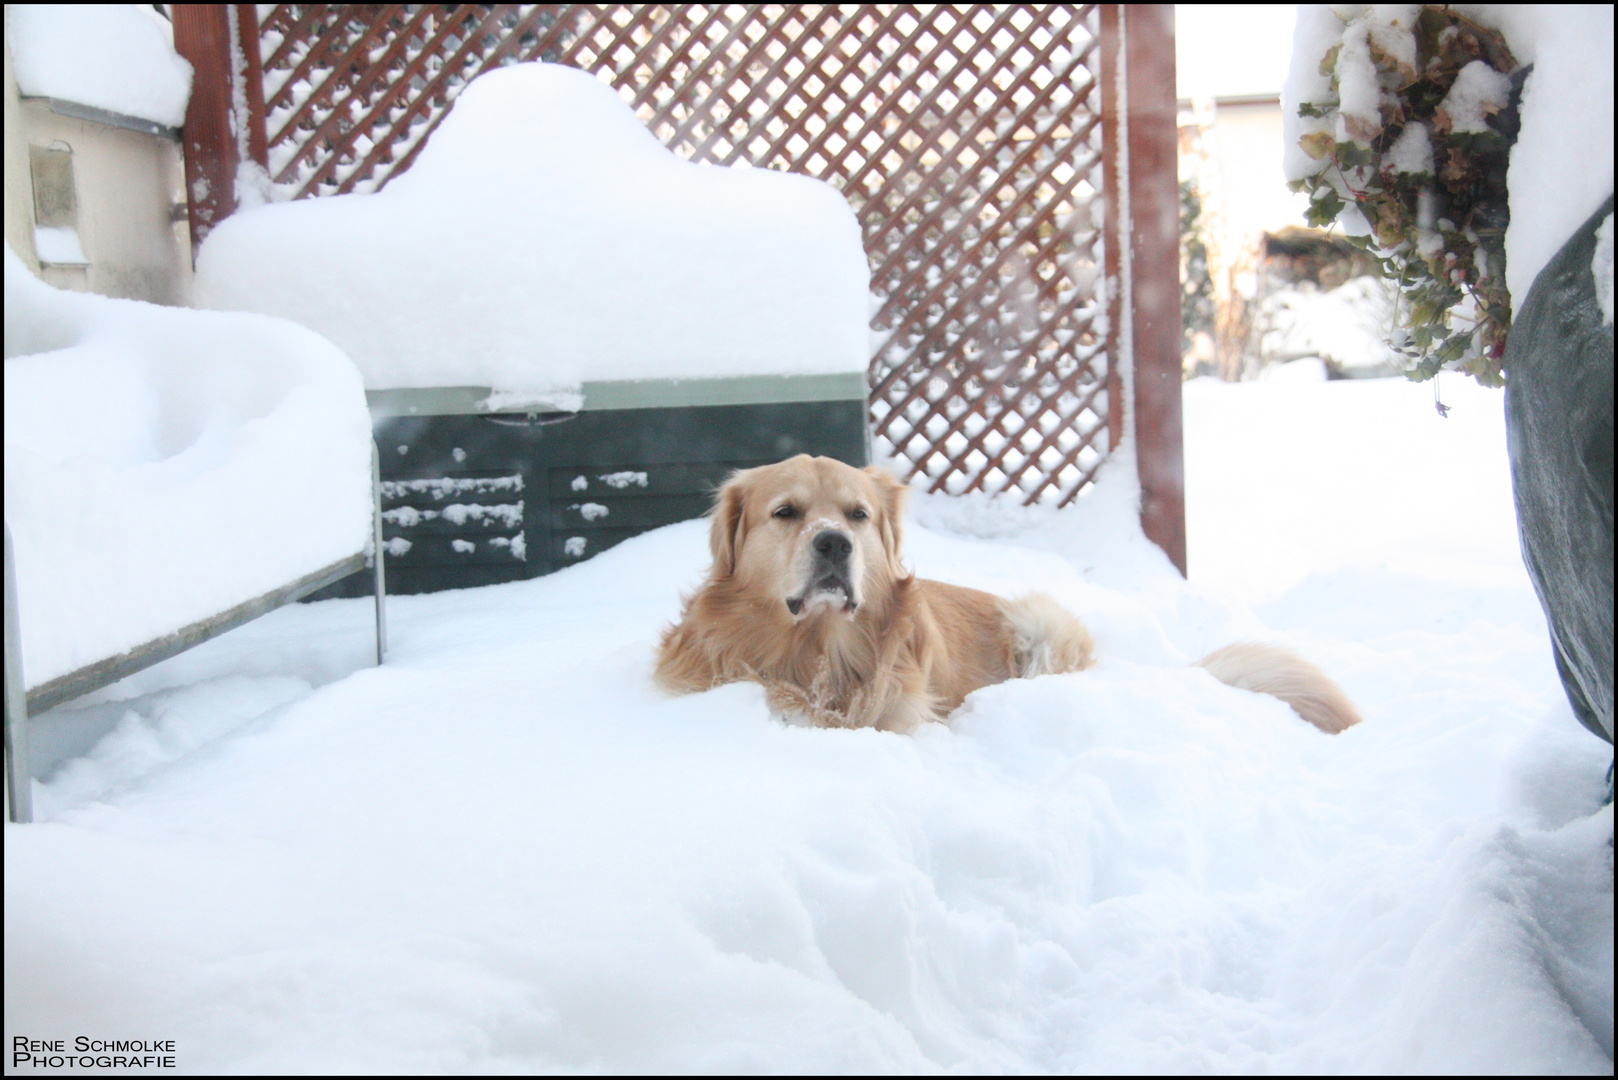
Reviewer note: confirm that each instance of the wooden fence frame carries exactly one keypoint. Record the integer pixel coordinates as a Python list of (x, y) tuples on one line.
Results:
[(1139, 156), (1138, 64)]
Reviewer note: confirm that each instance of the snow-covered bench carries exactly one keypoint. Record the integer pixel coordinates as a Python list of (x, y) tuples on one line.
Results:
[(170, 474)]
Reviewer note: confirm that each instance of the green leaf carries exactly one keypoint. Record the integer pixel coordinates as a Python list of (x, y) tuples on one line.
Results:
[(1317, 144), (1328, 65), (1324, 210), (1351, 155)]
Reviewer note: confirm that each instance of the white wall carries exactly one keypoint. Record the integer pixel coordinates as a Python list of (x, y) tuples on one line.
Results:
[(1246, 151), (19, 197), (126, 184)]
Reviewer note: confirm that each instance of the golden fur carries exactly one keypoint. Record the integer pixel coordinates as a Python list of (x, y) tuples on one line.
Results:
[(807, 596)]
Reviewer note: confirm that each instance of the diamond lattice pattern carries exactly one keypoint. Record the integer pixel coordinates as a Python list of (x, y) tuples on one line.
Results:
[(967, 138)]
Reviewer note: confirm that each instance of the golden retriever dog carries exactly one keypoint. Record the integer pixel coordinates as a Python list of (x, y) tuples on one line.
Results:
[(807, 596)]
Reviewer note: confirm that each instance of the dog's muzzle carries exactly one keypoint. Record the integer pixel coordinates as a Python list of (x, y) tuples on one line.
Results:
[(830, 573)]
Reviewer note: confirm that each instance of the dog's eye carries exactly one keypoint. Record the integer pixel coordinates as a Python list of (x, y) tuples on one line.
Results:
[(859, 513), (785, 512)]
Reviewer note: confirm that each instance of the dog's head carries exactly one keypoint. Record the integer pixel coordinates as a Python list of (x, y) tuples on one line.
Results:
[(811, 533)]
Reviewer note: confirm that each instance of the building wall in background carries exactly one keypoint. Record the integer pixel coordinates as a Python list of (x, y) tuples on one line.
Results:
[(19, 199), (126, 185), (1230, 151), (1246, 152), (115, 188)]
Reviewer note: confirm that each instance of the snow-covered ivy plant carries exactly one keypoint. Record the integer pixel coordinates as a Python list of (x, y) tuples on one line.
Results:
[(1410, 149)]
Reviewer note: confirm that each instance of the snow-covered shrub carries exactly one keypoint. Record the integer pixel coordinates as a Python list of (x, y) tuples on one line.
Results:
[(1409, 146), (1345, 327)]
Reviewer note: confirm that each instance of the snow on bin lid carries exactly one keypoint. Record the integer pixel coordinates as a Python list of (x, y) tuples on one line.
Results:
[(545, 238), (109, 56)]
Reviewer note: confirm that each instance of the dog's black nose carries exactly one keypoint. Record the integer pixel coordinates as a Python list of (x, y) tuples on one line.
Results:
[(833, 545)]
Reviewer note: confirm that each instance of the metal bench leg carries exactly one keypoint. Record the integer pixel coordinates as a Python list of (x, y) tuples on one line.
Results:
[(379, 582), (19, 784)]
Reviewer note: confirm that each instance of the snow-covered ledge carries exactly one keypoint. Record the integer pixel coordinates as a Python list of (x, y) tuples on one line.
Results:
[(624, 394)]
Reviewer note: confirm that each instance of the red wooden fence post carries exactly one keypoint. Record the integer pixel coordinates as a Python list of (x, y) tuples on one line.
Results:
[(1114, 204), (1142, 45), (213, 146), (253, 89)]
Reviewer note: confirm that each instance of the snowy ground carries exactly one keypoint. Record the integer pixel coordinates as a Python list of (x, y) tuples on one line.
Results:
[(504, 851)]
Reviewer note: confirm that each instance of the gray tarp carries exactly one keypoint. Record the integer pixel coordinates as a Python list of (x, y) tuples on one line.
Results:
[(1559, 428)]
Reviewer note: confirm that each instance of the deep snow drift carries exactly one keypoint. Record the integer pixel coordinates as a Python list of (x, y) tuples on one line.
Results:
[(505, 851)]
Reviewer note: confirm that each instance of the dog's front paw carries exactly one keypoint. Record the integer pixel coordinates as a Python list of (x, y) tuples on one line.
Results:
[(802, 707)]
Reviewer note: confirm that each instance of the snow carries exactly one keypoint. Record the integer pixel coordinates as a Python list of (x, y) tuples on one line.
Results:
[(1317, 29), (163, 465), (1561, 164), (1309, 369), (511, 400), (1358, 90), (1348, 325), (568, 244), (1412, 151), (508, 515), (504, 851), (444, 487), (518, 546), (625, 478), (1478, 92), (59, 245), (117, 57), (1206, 35), (1601, 268)]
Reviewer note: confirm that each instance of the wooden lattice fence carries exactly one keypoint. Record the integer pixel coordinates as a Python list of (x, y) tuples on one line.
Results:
[(973, 142)]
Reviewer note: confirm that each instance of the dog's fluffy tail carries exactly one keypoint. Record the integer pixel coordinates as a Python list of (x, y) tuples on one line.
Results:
[(1046, 640), (1268, 669)]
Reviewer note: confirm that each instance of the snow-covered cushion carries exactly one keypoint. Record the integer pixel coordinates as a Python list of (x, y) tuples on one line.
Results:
[(163, 465)]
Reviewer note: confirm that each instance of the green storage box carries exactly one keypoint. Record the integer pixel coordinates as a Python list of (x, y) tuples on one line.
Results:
[(478, 497)]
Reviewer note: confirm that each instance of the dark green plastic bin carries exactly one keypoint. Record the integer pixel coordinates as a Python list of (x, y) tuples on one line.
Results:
[(473, 497)]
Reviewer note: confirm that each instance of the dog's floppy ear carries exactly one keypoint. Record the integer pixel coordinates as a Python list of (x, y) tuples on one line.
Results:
[(729, 524), (891, 497)]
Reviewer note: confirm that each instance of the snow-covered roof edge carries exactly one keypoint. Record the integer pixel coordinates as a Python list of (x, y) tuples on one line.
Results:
[(118, 58)]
